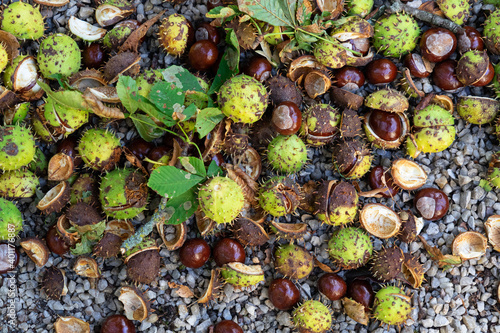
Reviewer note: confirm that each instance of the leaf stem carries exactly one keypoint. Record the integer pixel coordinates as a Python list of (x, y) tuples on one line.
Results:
[(158, 127), (256, 25), (328, 41), (189, 142)]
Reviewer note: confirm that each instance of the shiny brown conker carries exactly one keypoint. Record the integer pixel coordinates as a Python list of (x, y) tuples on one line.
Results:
[(93, 56), (444, 76), (284, 294), (375, 181), (117, 324), (487, 77), (68, 147), (332, 286), (431, 203), (228, 250), (386, 125), (140, 147), (55, 242), (381, 71), (227, 326), (259, 67), (287, 118), (207, 31), (437, 44), (156, 153), (9, 257), (203, 55), (349, 78), (416, 65), (194, 253), (470, 39), (219, 159), (361, 291)]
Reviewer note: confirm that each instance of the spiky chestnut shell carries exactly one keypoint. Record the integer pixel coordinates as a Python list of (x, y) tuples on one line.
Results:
[(413, 271), (351, 158), (312, 317), (293, 261), (494, 170), (20, 183), (279, 196), (336, 203), (359, 7), (85, 189), (392, 306), (23, 20), (4, 58), (11, 220), (17, 147), (395, 35), (491, 32), (456, 10), (146, 80), (58, 54), (388, 100), (143, 266), (108, 246), (287, 153), (242, 276), (99, 149), (477, 110), (433, 132), (387, 263), (221, 199), (282, 89), (60, 116), (54, 283), (472, 66), (9, 71), (243, 99), (173, 34), (40, 163), (350, 247), (123, 193), (320, 124), (116, 36), (330, 53)]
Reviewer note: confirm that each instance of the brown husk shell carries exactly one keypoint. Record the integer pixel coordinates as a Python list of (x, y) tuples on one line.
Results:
[(108, 246), (71, 325), (248, 232), (125, 63), (82, 215), (87, 267), (135, 303), (470, 245), (55, 199), (54, 283), (282, 89), (356, 311), (60, 167), (381, 226), (350, 124), (179, 237), (387, 263), (346, 99), (144, 266), (410, 226), (36, 249), (492, 226), (290, 231), (407, 174)]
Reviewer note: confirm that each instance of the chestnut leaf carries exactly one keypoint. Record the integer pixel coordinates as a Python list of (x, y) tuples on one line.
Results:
[(171, 182), (229, 64), (207, 119), (275, 12), (182, 78), (182, 207)]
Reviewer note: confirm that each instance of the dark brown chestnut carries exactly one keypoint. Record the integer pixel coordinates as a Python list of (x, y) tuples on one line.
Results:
[(437, 44), (416, 65), (227, 326), (55, 242), (219, 159), (140, 147), (68, 147), (381, 71), (287, 118), (332, 286), (194, 253), (9, 257), (470, 39), (207, 31), (386, 125), (487, 77), (93, 56), (444, 76), (349, 78), (431, 203), (203, 55), (284, 294), (259, 67), (157, 153), (375, 180), (228, 250), (117, 324), (361, 291)]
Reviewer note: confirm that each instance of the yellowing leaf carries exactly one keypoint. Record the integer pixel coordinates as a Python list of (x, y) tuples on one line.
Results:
[(182, 291)]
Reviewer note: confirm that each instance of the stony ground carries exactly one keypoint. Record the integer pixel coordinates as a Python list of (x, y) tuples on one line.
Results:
[(462, 299)]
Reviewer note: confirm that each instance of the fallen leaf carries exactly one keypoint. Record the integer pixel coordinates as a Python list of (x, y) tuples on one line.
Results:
[(182, 291), (444, 261)]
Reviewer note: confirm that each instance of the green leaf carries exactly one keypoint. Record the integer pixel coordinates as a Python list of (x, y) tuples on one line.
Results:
[(146, 127), (214, 170), (148, 107), (485, 185), (68, 98), (291, 9), (182, 207), (170, 181), (229, 63), (128, 93), (89, 238), (182, 79), (222, 12), (84, 246), (189, 112), (166, 97), (274, 12), (193, 165), (207, 119)]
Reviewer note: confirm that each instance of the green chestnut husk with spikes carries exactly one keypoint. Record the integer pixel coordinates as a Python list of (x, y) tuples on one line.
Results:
[(58, 55), (99, 149), (330, 53), (279, 196), (293, 261), (287, 153), (491, 33), (242, 276), (312, 317), (11, 220), (350, 248), (494, 170), (456, 10), (20, 183), (17, 147), (477, 110), (392, 306), (221, 199), (23, 20), (359, 7), (396, 35), (336, 202)]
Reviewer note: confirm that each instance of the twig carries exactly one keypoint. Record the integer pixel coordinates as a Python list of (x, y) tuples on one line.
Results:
[(397, 7)]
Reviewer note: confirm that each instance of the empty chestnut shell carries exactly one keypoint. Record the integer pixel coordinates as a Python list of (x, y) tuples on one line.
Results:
[(431, 203)]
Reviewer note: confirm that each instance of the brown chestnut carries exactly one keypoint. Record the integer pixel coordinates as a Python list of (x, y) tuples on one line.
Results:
[(437, 44), (349, 78), (375, 180), (444, 76), (93, 56), (228, 250), (9, 257), (431, 203), (287, 118), (416, 65), (487, 77), (117, 324), (284, 294), (386, 125), (207, 31), (361, 291), (259, 67), (194, 253), (157, 153), (332, 286), (203, 55), (140, 147), (381, 71), (227, 326), (68, 147), (470, 39), (219, 159), (55, 242)]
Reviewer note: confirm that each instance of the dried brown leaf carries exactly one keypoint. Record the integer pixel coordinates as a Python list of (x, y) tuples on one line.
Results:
[(182, 290)]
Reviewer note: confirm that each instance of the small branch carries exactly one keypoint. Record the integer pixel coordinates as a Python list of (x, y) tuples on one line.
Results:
[(397, 7)]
